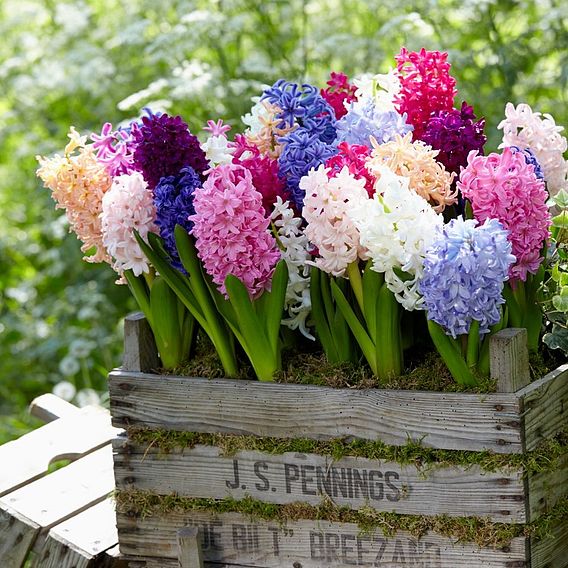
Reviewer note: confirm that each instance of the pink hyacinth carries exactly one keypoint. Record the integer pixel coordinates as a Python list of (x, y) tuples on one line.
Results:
[(231, 230), (426, 86), (354, 156), (506, 188), (339, 93)]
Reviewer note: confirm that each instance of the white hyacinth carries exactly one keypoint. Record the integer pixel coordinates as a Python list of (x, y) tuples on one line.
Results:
[(217, 150), (397, 226), (295, 254), (527, 129), (253, 118), (381, 89)]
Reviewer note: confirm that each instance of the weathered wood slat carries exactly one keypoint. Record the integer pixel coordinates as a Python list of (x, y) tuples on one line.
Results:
[(66, 438), (439, 420), (509, 359), (17, 535), (235, 539), (189, 548), (552, 551), (49, 407), (77, 542), (352, 482), (545, 407), (140, 352)]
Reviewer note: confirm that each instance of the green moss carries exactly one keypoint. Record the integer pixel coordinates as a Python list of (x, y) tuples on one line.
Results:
[(480, 531), (544, 458)]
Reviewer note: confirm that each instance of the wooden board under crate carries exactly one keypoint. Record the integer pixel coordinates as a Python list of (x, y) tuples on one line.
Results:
[(513, 421)]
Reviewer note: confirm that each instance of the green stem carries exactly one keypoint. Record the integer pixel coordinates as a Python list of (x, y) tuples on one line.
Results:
[(473, 345), (356, 283), (450, 353), (388, 343), (515, 313)]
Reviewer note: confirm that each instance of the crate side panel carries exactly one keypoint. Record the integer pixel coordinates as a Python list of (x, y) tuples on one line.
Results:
[(438, 420), (552, 550), (546, 489), (235, 539), (354, 482)]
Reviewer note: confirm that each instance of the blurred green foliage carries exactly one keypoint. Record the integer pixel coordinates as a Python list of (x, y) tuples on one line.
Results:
[(85, 62)]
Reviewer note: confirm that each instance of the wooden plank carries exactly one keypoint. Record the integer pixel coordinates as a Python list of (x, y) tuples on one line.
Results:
[(17, 535), (79, 541), (49, 407), (438, 420), (552, 550), (545, 407), (140, 352), (509, 359), (353, 482), (234, 539), (65, 492), (67, 438), (189, 548), (546, 489)]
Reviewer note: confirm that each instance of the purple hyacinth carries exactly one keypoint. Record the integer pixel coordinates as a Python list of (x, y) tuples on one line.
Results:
[(173, 198), (164, 145), (363, 121), (301, 151), (455, 133), (303, 106), (531, 159), (464, 271)]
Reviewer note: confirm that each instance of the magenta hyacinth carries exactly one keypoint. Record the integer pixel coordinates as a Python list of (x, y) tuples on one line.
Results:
[(164, 145), (506, 188), (231, 230)]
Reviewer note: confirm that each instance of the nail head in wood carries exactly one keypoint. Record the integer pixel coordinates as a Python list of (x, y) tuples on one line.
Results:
[(189, 548), (140, 352), (509, 359)]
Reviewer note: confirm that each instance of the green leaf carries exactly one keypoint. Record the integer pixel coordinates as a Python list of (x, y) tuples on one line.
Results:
[(557, 339), (166, 325), (274, 304), (372, 282), (140, 292), (560, 302), (319, 316)]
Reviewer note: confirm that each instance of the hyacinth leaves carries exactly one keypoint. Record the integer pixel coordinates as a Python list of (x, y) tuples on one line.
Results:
[(195, 291), (173, 325), (377, 326), (330, 325), (255, 322)]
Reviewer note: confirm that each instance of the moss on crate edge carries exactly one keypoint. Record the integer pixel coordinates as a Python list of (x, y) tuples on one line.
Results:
[(481, 531), (543, 458)]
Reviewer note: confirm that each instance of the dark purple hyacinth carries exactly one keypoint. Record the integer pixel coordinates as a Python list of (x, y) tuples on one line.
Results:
[(303, 106), (164, 145), (530, 158), (455, 133), (301, 151), (173, 198)]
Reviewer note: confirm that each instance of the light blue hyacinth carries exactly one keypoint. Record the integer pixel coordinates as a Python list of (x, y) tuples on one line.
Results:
[(464, 272)]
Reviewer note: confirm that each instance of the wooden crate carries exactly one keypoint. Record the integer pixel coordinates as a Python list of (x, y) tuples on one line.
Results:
[(515, 420)]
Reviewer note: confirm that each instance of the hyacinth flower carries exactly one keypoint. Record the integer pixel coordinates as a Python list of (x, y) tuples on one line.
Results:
[(426, 86), (354, 157), (524, 128), (339, 93), (239, 253), (396, 226), (506, 187), (114, 149), (462, 287), (336, 238)]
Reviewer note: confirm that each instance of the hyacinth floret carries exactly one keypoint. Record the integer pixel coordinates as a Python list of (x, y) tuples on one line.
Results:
[(173, 200), (416, 161), (301, 152), (464, 272), (78, 181), (505, 187), (231, 231), (426, 86), (539, 133), (164, 145), (455, 133), (127, 206), (263, 169), (339, 93), (114, 149), (381, 89), (531, 159), (295, 251), (396, 227), (364, 121), (303, 106), (326, 210), (354, 157), (217, 148)]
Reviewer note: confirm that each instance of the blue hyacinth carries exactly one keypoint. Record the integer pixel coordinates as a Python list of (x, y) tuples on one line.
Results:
[(530, 158), (173, 198), (464, 272), (362, 122), (303, 106), (301, 151)]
